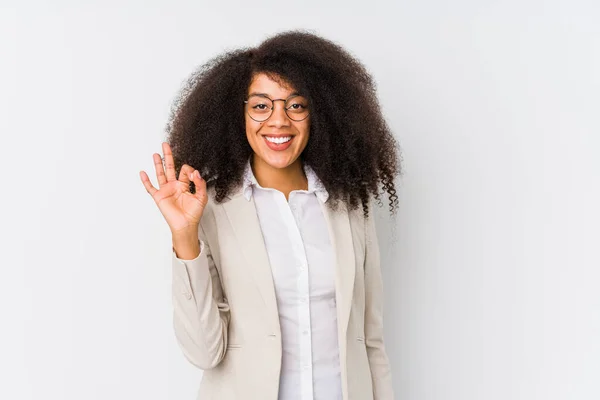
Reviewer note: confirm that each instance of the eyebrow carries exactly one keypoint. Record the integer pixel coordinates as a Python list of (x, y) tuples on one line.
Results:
[(266, 95)]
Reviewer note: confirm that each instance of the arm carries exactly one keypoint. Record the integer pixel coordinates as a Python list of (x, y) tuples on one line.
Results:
[(200, 311), (378, 360)]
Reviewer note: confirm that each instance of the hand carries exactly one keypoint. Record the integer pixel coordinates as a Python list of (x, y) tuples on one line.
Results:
[(181, 209)]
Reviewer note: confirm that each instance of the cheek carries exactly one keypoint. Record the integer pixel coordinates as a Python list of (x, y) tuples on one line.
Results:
[(305, 132), (252, 128)]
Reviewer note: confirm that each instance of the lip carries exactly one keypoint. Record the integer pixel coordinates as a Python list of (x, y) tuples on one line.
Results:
[(284, 135), (275, 146)]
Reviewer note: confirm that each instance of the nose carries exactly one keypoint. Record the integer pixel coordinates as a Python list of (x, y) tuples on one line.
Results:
[(278, 118)]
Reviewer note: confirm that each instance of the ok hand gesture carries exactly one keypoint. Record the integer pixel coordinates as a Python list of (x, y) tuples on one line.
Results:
[(181, 209)]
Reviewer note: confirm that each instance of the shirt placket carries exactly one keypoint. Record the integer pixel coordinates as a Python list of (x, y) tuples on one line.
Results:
[(303, 288)]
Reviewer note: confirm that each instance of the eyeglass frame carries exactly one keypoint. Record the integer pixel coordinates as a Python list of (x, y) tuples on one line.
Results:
[(273, 108)]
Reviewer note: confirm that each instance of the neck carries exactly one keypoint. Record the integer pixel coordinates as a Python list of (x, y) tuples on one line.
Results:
[(285, 179)]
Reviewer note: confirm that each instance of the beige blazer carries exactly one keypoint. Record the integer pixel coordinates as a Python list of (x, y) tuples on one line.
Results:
[(225, 311)]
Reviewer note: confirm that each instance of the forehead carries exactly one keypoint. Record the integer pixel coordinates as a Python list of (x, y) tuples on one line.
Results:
[(272, 86)]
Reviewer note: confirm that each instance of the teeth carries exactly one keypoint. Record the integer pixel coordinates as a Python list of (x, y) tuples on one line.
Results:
[(279, 140)]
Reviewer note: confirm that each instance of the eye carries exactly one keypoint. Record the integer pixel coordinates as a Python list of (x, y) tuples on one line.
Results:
[(260, 107), (296, 107)]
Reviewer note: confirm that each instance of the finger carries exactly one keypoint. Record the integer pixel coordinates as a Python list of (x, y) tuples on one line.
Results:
[(147, 184), (160, 171), (200, 185), (169, 163), (185, 173)]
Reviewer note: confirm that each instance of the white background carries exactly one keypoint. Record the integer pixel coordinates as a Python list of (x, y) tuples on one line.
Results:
[(491, 267)]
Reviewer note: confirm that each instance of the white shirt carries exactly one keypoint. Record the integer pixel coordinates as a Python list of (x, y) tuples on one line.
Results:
[(302, 263)]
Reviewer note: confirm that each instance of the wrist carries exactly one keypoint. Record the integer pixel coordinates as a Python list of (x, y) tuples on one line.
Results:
[(186, 233), (186, 244)]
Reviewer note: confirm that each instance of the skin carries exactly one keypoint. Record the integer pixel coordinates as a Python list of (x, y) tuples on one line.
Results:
[(281, 170)]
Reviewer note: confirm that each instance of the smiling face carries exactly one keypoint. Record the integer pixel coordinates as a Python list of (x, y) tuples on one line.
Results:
[(278, 141)]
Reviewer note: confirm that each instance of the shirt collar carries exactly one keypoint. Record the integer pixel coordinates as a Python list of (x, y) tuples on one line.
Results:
[(314, 183)]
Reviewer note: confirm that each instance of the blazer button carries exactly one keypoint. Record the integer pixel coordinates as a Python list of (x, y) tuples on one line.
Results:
[(187, 295)]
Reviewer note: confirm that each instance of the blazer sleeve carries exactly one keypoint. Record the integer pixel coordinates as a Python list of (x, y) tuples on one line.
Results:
[(378, 359), (200, 309)]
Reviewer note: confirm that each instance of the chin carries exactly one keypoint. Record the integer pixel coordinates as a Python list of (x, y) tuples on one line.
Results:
[(278, 161)]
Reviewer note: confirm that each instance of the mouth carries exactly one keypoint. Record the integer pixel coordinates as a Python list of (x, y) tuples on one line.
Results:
[(278, 143)]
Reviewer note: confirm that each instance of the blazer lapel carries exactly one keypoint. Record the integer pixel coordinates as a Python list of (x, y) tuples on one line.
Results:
[(244, 221), (340, 235)]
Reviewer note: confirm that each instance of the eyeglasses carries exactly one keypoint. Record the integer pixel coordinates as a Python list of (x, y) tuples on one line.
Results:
[(260, 107)]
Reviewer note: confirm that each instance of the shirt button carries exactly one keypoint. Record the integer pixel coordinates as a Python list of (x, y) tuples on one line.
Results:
[(305, 332)]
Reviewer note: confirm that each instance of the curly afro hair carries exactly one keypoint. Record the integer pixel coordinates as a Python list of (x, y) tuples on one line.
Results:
[(350, 148)]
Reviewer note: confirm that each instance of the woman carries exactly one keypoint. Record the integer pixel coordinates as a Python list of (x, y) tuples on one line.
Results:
[(274, 155)]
